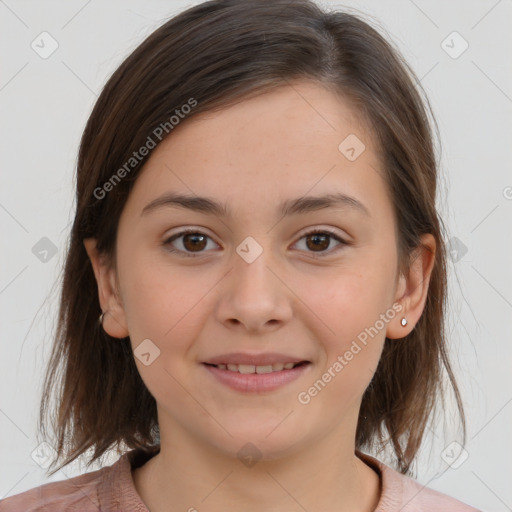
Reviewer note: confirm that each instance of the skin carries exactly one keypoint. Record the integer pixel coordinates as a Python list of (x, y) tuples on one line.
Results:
[(253, 155)]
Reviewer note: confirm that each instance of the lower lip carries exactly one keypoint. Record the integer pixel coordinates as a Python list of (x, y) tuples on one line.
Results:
[(257, 382)]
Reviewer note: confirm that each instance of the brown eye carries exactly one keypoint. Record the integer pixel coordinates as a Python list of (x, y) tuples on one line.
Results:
[(194, 241), (190, 243), (318, 241)]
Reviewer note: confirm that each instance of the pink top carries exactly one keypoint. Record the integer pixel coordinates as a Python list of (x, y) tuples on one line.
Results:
[(111, 489)]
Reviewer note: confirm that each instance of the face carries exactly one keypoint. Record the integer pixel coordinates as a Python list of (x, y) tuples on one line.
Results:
[(253, 281)]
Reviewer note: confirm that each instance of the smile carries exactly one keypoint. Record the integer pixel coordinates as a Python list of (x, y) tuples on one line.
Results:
[(248, 378), (250, 368)]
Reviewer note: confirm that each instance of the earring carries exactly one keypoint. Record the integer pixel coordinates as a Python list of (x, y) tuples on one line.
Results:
[(403, 322), (100, 320)]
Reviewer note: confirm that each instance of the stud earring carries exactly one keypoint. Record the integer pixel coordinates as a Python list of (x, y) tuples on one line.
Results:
[(403, 322)]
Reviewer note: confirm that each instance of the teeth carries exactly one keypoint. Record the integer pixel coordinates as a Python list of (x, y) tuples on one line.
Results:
[(251, 368), (264, 369), (246, 368)]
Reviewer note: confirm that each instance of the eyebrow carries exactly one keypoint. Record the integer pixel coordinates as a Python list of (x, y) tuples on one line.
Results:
[(300, 205)]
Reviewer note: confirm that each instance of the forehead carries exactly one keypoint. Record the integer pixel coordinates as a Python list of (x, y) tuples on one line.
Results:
[(285, 143)]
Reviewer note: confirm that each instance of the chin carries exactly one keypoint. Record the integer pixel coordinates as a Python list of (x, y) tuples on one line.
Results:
[(251, 444)]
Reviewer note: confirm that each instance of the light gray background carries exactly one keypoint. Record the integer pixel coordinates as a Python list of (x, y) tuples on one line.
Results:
[(45, 104)]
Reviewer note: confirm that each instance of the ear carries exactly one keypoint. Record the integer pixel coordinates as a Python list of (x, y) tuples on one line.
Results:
[(412, 289), (114, 320)]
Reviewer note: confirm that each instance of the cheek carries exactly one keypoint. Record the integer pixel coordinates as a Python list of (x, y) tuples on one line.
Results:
[(349, 318), (161, 305), (352, 338), (347, 302), (161, 302)]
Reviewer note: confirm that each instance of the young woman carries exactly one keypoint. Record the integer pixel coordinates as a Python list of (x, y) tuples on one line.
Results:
[(256, 278)]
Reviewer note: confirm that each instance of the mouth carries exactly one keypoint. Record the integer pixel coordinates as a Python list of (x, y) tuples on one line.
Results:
[(257, 379), (257, 369)]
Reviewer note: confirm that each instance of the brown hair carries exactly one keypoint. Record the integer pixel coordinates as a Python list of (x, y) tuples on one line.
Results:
[(220, 52)]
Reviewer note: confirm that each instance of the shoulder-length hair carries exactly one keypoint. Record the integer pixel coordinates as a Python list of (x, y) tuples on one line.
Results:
[(217, 53)]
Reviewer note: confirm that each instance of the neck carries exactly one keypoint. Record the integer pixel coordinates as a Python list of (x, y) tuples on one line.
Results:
[(190, 474)]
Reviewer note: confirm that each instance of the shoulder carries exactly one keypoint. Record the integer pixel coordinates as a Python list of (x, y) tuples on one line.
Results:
[(402, 493), (108, 489), (77, 493)]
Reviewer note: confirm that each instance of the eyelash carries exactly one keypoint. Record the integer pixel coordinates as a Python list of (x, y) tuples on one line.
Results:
[(332, 234)]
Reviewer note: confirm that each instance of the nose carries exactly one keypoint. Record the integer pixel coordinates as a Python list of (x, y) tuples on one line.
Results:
[(253, 297)]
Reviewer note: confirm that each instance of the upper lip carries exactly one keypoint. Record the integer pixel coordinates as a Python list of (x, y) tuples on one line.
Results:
[(263, 359)]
